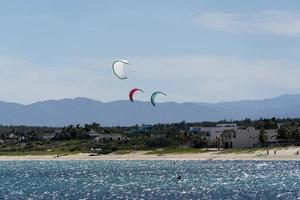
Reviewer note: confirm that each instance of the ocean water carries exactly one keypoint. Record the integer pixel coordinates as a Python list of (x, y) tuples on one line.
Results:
[(150, 180)]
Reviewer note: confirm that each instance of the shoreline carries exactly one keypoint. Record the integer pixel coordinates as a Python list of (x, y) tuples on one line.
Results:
[(282, 154)]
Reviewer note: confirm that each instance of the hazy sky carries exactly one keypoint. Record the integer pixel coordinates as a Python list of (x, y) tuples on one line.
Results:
[(194, 50)]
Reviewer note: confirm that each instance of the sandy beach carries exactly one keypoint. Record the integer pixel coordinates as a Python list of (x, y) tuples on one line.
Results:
[(281, 154)]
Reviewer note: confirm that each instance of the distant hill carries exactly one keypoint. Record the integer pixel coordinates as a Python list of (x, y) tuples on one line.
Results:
[(83, 110)]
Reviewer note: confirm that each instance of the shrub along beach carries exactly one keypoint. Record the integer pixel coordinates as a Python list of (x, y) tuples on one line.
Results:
[(246, 139)]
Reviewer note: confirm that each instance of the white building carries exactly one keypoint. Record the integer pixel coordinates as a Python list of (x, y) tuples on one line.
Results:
[(110, 137), (226, 125), (212, 133), (234, 136), (246, 137), (93, 134), (158, 136), (241, 138)]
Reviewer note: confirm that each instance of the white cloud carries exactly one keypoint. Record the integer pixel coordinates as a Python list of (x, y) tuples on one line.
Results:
[(272, 22), (24, 82), (216, 78), (184, 78)]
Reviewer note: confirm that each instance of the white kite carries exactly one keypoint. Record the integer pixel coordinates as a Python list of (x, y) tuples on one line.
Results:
[(119, 69)]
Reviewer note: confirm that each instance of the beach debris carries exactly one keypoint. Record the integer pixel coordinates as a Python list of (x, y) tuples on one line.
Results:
[(93, 154), (153, 97), (119, 68), (133, 92), (61, 155)]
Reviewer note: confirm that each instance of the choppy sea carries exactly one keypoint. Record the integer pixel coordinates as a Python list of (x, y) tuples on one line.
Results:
[(150, 180)]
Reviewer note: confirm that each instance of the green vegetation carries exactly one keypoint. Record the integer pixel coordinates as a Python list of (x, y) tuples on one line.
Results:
[(263, 136), (159, 139), (44, 148)]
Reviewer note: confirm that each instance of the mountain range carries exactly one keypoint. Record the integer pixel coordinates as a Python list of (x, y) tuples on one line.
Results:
[(122, 113)]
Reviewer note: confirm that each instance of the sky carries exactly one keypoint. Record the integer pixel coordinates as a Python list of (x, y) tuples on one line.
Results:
[(193, 50)]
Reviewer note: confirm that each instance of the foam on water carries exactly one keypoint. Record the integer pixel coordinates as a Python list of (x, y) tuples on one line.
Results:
[(150, 180)]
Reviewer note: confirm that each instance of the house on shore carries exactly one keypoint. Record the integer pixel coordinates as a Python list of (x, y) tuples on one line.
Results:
[(141, 129), (47, 137), (93, 134), (241, 138), (212, 134), (233, 136), (110, 137), (13, 137), (158, 136)]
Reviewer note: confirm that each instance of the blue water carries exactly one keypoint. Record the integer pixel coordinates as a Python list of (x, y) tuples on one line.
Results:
[(149, 180)]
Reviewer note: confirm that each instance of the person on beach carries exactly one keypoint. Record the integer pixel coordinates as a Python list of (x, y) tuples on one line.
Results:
[(275, 152), (267, 152)]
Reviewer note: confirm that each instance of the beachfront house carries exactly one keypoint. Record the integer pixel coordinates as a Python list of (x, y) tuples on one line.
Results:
[(158, 136), (247, 137), (13, 137), (141, 129), (93, 134), (212, 133), (234, 136), (46, 136), (110, 137), (241, 138)]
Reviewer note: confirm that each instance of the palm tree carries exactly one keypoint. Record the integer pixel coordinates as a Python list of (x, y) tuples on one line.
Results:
[(218, 142), (183, 138), (263, 137)]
